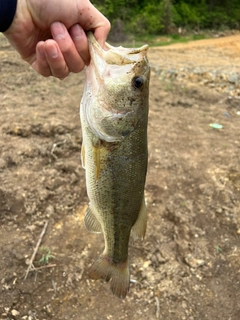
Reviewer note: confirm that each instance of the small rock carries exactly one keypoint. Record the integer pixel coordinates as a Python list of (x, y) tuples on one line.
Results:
[(233, 78), (146, 264), (212, 85), (199, 71), (15, 312), (192, 262), (229, 88), (31, 227), (49, 211)]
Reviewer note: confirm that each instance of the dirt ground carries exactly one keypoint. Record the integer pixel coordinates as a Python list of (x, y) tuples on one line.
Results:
[(188, 266)]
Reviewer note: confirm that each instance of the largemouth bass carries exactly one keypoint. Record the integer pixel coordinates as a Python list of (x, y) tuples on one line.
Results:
[(114, 116)]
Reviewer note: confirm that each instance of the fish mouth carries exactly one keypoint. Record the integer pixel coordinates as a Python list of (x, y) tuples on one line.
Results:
[(116, 55), (116, 61), (115, 64)]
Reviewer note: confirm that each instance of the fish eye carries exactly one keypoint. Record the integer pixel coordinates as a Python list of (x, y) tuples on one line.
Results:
[(137, 82)]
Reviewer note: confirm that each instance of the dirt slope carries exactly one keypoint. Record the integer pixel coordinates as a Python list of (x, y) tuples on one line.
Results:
[(188, 265)]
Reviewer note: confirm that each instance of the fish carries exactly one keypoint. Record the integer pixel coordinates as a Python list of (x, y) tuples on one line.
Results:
[(114, 154)]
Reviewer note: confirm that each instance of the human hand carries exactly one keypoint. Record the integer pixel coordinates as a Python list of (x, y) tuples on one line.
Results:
[(49, 34)]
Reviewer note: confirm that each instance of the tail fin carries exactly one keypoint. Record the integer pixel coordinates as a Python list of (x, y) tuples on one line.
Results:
[(107, 269)]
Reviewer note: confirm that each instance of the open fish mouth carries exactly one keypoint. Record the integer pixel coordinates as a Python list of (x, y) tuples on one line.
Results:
[(115, 61), (116, 55)]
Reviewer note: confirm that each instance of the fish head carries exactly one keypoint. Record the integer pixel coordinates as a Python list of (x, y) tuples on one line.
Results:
[(117, 89)]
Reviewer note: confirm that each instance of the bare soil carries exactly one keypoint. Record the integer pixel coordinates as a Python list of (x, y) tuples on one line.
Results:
[(188, 266)]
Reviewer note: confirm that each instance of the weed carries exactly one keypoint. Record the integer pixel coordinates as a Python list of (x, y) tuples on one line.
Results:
[(218, 249), (46, 255)]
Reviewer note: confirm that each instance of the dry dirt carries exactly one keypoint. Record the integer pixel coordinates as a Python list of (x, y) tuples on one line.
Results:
[(188, 266)]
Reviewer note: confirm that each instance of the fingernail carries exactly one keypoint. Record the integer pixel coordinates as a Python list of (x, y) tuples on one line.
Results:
[(40, 49), (58, 30), (52, 51), (77, 32)]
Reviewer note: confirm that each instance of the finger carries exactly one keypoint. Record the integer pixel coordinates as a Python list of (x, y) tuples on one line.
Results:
[(40, 64), (55, 59), (96, 21), (67, 47), (101, 33), (81, 43)]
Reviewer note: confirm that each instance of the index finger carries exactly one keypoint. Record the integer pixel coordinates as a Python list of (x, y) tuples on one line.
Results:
[(95, 21), (101, 34)]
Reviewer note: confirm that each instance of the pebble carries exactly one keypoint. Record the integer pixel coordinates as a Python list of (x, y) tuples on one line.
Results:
[(194, 263), (222, 81), (234, 78), (15, 312)]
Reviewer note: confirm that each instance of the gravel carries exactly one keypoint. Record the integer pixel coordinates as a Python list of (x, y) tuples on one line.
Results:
[(221, 80)]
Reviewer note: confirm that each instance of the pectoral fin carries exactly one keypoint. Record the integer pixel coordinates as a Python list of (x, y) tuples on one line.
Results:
[(91, 222), (140, 226)]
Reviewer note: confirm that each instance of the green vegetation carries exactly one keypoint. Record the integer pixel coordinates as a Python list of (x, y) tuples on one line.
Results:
[(170, 39), (152, 17), (218, 249), (46, 255)]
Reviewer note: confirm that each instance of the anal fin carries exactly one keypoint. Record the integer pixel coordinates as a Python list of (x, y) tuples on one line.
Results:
[(91, 222), (139, 229)]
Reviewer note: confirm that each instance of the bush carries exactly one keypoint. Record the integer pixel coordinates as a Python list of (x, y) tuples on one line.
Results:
[(142, 17), (166, 12), (148, 21), (189, 14)]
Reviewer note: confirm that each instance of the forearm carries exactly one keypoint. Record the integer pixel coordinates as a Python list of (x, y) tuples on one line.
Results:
[(7, 12)]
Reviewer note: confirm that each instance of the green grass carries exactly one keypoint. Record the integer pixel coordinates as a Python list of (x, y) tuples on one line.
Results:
[(176, 38), (218, 249), (163, 40)]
